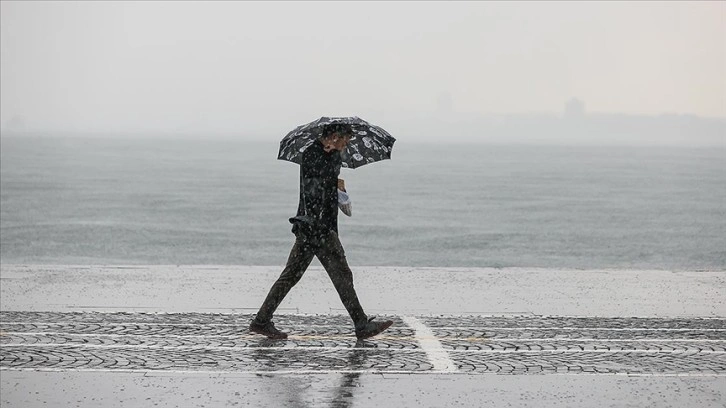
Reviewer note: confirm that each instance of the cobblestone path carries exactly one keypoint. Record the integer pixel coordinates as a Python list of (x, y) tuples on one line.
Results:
[(204, 342)]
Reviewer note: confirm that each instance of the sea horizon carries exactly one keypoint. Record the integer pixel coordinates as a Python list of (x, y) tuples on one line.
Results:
[(227, 202)]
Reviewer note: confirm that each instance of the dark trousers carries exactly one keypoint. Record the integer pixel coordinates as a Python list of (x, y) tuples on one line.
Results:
[(331, 254)]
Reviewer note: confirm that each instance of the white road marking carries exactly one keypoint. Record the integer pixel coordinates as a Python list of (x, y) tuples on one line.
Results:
[(438, 357)]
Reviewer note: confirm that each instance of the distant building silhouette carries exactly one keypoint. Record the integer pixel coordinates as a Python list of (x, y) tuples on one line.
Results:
[(574, 108), (15, 124), (444, 103)]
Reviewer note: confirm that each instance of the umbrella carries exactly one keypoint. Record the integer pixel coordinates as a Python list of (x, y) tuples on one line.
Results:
[(369, 143)]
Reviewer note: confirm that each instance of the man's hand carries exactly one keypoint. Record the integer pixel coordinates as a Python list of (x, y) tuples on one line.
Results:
[(344, 202)]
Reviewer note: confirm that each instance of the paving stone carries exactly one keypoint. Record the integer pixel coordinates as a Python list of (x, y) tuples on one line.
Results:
[(515, 345)]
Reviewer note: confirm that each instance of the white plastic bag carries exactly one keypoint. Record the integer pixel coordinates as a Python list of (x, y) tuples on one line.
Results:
[(344, 203)]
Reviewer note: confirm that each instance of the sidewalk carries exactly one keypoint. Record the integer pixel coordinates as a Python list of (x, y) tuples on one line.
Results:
[(384, 290), (176, 336)]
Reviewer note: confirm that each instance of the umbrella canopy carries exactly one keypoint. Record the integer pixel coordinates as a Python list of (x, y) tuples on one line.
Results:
[(369, 143)]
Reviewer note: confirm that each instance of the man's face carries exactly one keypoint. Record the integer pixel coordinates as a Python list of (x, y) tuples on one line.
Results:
[(337, 141)]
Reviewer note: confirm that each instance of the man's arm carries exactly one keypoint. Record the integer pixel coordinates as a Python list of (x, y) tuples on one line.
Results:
[(312, 186)]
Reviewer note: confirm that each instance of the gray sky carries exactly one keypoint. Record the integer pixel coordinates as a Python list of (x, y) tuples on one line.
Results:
[(224, 66)]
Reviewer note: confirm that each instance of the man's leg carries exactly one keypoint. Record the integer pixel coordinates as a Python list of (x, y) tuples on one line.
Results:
[(300, 257), (332, 255)]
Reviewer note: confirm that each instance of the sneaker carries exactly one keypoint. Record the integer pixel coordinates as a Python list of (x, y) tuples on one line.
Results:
[(267, 329), (372, 328)]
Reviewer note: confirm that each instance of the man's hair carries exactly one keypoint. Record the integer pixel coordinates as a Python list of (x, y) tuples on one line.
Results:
[(336, 128)]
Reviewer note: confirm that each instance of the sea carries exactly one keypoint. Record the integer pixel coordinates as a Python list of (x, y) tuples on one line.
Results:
[(196, 201)]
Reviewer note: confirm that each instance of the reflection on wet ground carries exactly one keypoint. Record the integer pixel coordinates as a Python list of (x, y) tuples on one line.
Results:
[(333, 390), (343, 395)]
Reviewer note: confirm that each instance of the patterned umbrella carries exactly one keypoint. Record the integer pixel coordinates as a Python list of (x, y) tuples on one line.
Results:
[(369, 143)]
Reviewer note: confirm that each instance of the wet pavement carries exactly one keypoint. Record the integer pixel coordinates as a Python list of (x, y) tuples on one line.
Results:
[(199, 342), (111, 354), (382, 290)]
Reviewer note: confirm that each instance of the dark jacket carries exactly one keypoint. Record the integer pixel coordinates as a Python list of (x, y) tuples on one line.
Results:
[(318, 206)]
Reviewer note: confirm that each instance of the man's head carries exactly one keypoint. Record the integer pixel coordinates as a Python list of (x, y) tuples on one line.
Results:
[(336, 137)]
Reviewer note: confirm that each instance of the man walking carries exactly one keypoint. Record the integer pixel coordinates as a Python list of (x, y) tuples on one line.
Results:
[(316, 230)]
